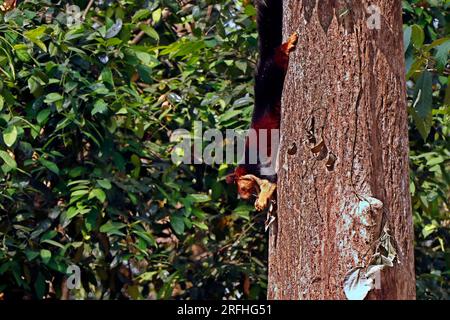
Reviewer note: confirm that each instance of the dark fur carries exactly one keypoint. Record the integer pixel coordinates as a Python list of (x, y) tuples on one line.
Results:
[(269, 77)]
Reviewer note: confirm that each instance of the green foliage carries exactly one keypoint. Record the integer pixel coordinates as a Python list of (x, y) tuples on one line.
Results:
[(86, 114), (427, 45), (86, 177)]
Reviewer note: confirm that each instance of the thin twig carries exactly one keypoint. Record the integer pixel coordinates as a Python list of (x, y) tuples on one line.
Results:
[(138, 38), (140, 35), (91, 2)]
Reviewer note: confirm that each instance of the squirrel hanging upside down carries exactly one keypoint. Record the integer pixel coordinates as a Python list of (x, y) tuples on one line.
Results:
[(269, 81)]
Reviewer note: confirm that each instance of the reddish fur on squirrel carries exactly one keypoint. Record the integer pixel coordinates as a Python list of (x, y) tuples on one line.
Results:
[(269, 80)]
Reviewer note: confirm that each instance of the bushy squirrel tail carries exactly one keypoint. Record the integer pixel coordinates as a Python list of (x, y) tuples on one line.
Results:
[(269, 20)]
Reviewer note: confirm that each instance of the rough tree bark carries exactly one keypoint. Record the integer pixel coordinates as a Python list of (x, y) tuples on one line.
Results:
[(343, 162)]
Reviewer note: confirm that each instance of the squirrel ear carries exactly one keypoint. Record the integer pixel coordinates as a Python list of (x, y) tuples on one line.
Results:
[(240, 171), (231, 178)]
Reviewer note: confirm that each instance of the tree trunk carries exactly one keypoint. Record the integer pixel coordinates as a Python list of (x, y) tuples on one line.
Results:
[(343, 174)]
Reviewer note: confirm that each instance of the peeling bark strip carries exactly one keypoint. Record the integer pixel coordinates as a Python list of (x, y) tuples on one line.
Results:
[(350, 80)]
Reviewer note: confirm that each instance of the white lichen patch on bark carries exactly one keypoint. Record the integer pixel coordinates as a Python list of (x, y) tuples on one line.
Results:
[(361, 213)]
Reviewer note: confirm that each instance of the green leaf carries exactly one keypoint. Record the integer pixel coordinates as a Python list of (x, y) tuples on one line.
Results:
[(200, 225), (40, 44), (31, 255), (250, 10), (107, 76), (229, 114), (417, 36), (434, 161), (2, 103), (74, 211), (147, 237), (156, 15), (423, 97), (177, 223), (407, 37), (35, 33), (104, 183), (423, 125), (145, 57), (45, 255), (442, 53), (43, 115), (70, 85), (10, 136), (243, 211), (447, 94), (34, 84), (49, 165), (407, 6), (9, 161), (100, 106), (78, 193), (199, 197), (53, 243), (241, 65), (53, 97), (40, 286), (145, 73), (113, 228), (90, 221), (21, 51), (428, 229), (99, 194), (148, 30), (140, 14)]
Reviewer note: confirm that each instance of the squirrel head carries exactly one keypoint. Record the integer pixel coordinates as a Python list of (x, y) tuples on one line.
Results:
[(246, 187)]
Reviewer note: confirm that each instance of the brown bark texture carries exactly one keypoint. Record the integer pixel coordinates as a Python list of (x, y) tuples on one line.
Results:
[(343, 168)]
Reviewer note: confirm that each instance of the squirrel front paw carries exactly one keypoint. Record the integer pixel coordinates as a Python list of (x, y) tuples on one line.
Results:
[(261, 204), (267, 189), (292, 42)]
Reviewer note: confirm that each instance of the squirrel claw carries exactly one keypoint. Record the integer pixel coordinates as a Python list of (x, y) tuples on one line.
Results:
[(292, 42), (267, 189)]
